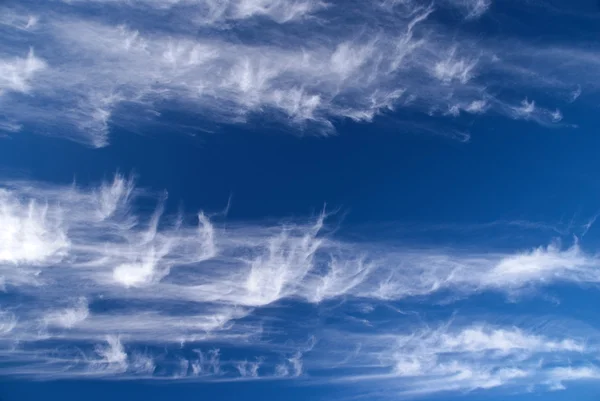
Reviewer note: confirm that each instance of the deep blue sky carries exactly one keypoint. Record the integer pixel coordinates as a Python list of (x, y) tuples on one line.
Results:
[(452, 146), (507, 171)]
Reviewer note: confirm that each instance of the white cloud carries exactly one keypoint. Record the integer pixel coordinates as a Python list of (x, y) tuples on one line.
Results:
[(141, 364), (91, 74), (248, 369), (476, 106), (454, 68), (542, 264), (574, 95), (8, 321), (112, 356), (15, 20), (450, 358), (69, 317), (17, 73), (526, 107), (208, 362), (478, 339), (296, 261), (114, 196), (530, 111), (280, 10), (150, 296), (30, 232), (475, 8), (174, 283), (427, 272), (217, 12), (558, 375), (290, 367)]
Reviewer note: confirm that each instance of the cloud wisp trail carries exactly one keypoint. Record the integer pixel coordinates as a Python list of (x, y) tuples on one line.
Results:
[(305, 63), (95, 285)]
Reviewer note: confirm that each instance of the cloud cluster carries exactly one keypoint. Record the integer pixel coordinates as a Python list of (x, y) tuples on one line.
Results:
[(301, 62), (96, 287), (468, 358)]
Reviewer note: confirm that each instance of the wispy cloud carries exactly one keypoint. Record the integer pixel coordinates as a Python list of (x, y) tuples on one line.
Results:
[(18, 21), (210, 59), (16, 73), (466, 358), (220, 12), (115, 293)]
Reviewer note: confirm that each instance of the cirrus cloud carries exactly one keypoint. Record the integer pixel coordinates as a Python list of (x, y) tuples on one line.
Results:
[(209, 59), (113, 292)]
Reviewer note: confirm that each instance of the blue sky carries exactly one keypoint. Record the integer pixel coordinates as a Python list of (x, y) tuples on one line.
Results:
[(299, 199)]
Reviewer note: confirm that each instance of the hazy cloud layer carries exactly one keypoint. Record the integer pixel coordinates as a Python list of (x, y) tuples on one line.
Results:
[(76, 68)]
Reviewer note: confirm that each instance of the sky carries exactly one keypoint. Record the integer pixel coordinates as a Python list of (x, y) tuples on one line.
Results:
[(299, 200)]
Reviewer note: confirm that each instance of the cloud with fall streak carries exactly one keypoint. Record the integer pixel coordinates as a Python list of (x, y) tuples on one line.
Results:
[(117, 294), (227, 62)]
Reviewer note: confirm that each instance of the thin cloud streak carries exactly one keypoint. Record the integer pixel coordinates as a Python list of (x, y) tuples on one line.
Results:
[(118, 294), (301, 71), (450, 358)]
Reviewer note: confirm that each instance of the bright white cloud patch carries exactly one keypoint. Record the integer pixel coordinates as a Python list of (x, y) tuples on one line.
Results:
[(126, 294), (17, 73), (301, 62), (30, 233)]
